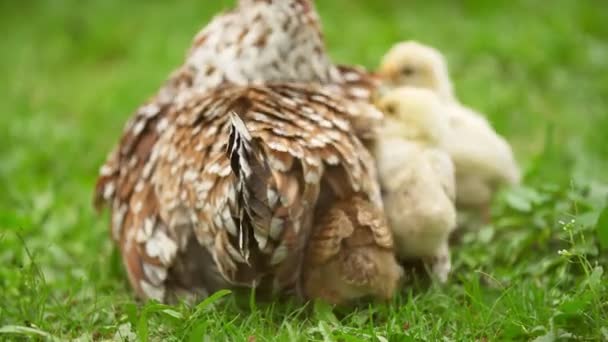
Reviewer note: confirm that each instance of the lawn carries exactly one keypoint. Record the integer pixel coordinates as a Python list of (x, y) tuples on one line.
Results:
[(73, 71)]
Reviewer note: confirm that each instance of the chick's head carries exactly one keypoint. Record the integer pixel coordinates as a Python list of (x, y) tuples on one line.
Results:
[(414, 114), (413, 64)]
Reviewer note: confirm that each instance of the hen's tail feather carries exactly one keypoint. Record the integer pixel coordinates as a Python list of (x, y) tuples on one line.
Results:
[(253, 185)]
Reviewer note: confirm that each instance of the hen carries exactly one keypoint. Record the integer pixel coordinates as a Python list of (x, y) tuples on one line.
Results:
[(417, 177), (147, 180), (483, 159)]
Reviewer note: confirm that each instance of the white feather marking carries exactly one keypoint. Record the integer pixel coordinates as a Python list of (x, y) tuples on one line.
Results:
[(152, 291), (147, 171), (334, 135), (217, 219), (150, 110), (360, 92), (332, 160), (162, 247), (276, 228), (296, 227), (139, 186), (106, 170), (211, 131), (132, 162), (232, 195), (272, 196), (139, 127), (190, 175), (229, 222), (312, 177), (319, 98), (196, 130), (307, 110), (342, 124), (137, 207), (240, 126), (351, 77), (162, 125), (235, 254), (277, 146), (289, 102), (141, 236), (225, 171), (262, 239), (315, 142), (277, 164), (280, 253), (204, 186), (149, 224), (108, 190), (214, 168), (245, 166), (155, 274), (313, 160)]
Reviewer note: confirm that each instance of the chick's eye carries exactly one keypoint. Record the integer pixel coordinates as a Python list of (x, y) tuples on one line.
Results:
[(407, 71), (390, 110)]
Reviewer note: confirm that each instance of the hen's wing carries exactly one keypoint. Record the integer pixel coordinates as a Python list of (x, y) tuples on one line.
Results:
[(124, 166)]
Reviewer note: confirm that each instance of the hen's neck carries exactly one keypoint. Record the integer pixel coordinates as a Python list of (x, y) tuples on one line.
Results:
[(262, 41)]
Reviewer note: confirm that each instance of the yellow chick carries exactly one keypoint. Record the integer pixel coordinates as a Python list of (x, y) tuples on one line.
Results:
[(350, 255), (483, 159), (417, 177)]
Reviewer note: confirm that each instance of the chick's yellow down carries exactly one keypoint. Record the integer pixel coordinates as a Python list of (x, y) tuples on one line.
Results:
[(483, 160), (350, 255), (417, 176)]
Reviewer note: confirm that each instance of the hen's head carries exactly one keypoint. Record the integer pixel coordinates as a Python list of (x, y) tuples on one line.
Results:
[(301, 6)]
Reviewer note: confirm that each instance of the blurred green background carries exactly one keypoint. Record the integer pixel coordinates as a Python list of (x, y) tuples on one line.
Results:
[(72, 72)]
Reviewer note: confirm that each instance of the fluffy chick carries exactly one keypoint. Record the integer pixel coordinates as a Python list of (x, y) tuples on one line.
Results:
[(350, 255), (483, 160), (417, 177)]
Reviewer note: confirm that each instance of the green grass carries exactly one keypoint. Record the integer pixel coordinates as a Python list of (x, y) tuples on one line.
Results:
[(72, 72)]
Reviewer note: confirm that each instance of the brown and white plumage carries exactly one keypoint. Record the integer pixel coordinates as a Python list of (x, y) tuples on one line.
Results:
[(258, 41), (241, 193), (350, 254), (152, 208), (241, 46)]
